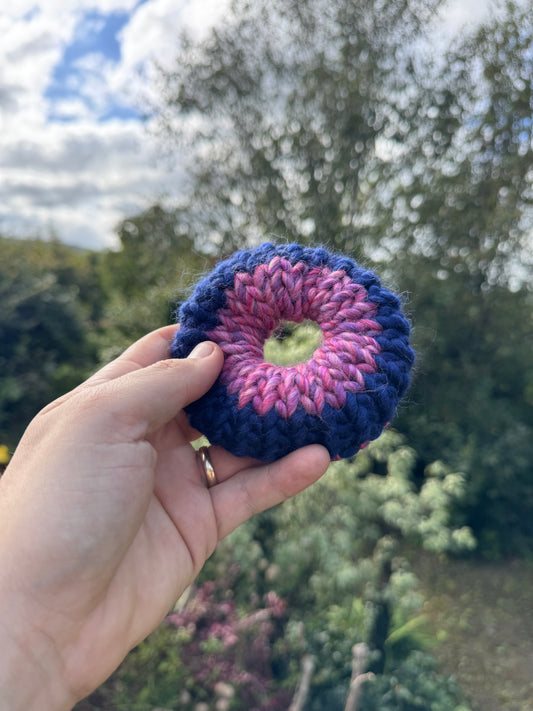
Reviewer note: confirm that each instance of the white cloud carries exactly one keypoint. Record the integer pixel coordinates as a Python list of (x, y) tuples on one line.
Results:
[(154, 29), (79, 177), (28, 52), (153, 36)]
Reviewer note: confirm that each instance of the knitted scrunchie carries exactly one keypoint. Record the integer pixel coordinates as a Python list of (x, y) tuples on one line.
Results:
[(341, 397)]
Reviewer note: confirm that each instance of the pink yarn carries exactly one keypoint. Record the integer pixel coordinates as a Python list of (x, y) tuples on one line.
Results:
[(279, 291)]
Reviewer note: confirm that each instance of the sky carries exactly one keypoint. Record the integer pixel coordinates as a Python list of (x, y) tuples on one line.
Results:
[(76, 153)]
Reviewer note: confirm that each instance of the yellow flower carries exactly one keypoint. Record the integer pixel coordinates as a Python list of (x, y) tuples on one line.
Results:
[(4, 454)]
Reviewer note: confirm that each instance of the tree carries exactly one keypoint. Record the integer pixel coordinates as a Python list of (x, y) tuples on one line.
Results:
[(280, 108), (155, 250), (147, 277), (329, 123), (51, 301), (457, 207)]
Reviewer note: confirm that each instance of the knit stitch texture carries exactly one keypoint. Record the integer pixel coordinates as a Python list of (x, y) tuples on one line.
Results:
[(342, 397)]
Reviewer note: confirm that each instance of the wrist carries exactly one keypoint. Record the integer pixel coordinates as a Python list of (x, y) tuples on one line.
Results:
[(30, 670)]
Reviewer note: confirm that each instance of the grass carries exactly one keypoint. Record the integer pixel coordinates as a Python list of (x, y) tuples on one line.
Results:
[(481, 619)]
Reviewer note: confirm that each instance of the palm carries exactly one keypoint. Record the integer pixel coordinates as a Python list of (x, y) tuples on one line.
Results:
[(160, 562)]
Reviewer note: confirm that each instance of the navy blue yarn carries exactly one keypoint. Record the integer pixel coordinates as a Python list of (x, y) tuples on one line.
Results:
[(341, 430)]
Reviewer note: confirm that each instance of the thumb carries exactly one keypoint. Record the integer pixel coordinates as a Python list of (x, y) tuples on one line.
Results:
[(148, 398)]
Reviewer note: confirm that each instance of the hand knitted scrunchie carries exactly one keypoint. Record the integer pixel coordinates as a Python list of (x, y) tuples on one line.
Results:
[(341, 397)]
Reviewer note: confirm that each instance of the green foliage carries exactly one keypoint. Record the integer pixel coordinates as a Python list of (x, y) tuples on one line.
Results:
[(155, 251), (292, 343), (154, 675), (151, 272), (337, 554), (342, 540), (413, 685), (51, 302)]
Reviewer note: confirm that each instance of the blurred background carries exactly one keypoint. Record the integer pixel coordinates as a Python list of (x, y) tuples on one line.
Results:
[(142, 141)]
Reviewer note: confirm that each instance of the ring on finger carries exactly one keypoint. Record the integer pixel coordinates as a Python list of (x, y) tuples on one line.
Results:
[(207, 467)]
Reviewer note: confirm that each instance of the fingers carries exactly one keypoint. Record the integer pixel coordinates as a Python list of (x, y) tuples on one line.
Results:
[(150, 397), (149, 349), (258, 488), (139, 402)]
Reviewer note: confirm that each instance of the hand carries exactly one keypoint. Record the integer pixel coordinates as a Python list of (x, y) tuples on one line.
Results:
[(106, 519)]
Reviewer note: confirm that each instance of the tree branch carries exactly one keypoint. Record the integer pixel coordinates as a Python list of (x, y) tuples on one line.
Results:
[(359, 659)]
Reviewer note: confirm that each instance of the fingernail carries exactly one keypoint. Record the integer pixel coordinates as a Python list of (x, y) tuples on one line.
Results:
[(202, 350)]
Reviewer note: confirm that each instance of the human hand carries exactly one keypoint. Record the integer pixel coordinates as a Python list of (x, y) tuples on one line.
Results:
[(106, 519)]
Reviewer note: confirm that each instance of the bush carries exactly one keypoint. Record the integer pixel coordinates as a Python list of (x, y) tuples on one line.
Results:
[(413, 685)]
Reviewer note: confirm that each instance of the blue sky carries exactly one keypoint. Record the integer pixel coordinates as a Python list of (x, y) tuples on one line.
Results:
[(97, 34), (77, 153)]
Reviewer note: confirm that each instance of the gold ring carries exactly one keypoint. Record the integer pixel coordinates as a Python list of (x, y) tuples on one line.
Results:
[(209, 471)]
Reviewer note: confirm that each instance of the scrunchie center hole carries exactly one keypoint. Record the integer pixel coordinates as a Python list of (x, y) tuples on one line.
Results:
[(292, 343)]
